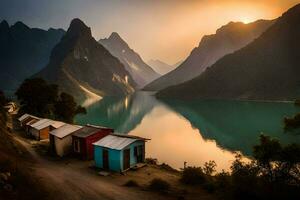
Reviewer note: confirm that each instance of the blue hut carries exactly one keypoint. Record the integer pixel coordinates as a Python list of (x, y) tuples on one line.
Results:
[(119, 152)]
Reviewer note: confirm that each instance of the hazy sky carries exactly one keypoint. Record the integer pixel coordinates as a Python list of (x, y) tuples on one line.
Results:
[(159, 29)]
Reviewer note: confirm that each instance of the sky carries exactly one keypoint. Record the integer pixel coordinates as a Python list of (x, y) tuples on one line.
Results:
[(157, 29)]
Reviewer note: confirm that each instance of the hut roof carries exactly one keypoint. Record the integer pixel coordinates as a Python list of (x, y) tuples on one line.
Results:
[(23, 117), (116, 142), (65, 130), (43, 123), (88, 130), (31, 121)]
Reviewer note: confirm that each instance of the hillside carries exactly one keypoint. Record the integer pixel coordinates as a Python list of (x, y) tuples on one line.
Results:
[(227, 39), (266, 69), (134, 64), (79, 64), (23, 52), (161, 67)]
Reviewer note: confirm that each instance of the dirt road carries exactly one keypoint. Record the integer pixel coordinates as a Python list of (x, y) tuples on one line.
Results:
[(76, 180)]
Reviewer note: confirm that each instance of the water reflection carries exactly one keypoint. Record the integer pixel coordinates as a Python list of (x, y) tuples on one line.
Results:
[(236, 125), (195, 132), (121, 113)]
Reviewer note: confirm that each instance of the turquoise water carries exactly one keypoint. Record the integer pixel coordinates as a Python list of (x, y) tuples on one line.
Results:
[(193, 131)]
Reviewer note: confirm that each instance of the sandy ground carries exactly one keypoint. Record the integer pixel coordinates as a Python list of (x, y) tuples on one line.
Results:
[(70, 178)]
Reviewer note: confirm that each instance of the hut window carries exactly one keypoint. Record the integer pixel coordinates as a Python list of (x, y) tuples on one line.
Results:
[(76, 146)]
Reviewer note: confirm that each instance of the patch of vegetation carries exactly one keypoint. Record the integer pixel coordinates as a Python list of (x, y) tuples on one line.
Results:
[(131, 183), (159, 185), (151, 161), (273, 173), (291, 123), (193, 176), (39, 98)]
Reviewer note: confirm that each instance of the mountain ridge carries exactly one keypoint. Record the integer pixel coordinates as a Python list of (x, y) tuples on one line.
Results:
[(265, 69), (134, 64), (78, 60), (226, 40), (23, 52)]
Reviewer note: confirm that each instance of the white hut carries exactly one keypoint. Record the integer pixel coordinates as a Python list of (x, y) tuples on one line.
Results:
[(61, 139), (24, 119), (40, 129)]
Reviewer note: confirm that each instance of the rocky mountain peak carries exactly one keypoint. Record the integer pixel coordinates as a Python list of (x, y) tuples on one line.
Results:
[(78, 28), (4, 25)]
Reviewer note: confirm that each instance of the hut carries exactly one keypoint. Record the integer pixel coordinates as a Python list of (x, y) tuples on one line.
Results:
[(119, 152), (26, 127), (24, 119), (84, 138), (40, 129), (61, 139)]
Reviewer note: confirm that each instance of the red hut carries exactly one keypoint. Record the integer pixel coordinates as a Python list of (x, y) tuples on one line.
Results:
[(83, 139)]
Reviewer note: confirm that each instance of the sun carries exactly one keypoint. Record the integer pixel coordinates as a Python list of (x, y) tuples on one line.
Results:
[(246, 20)]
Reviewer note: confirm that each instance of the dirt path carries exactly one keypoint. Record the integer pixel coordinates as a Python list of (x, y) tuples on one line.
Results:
[(77, 181)]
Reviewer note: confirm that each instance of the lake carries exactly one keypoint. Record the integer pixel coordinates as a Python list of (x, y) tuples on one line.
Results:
[(193, 131)]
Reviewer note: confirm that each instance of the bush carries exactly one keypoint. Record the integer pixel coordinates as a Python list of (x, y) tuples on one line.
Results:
[(193, 175), (131, 183), (151, 161), (291, 123), (159, 185)]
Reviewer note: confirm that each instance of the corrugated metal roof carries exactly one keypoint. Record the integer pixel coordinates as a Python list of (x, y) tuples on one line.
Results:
[(57, 124), (25, 116), (115, 142), (43, 123), (65, 130), (39, 122), (89, 130), (31, 122)]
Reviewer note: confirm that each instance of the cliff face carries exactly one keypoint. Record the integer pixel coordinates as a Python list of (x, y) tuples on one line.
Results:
[(227, 40), (78, 61)]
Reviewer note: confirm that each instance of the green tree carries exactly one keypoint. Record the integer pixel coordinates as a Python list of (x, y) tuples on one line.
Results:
[(39, 98), (66, 108)]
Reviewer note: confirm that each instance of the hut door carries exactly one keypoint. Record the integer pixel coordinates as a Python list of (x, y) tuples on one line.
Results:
[(52, 144), (126, 159), (105, 159)]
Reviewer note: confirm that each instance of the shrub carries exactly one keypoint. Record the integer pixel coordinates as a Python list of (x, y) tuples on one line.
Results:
[(151, 161), (159, 185), (131, 183), (291, 123), (209, 167), (193, 175)]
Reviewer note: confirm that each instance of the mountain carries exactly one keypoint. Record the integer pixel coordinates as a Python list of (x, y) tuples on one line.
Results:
[(23, 52), (134, 64), (266, 69), (80, 66), (227, 39), (160, 66)]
